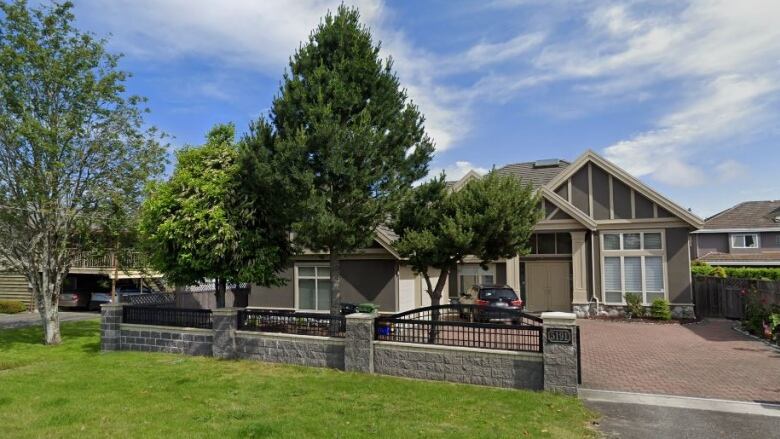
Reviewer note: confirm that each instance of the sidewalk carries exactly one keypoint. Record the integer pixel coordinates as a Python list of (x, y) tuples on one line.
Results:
[(10, 321)]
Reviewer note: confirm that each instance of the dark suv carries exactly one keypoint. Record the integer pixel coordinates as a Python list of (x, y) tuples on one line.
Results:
[(494, 298)]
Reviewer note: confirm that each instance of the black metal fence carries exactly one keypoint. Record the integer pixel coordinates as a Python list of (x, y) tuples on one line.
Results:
[(464, 325), (288, 322), (149, 315)]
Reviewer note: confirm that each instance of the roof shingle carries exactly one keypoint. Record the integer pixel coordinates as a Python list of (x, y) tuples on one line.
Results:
[(747, 215), (535, 175)]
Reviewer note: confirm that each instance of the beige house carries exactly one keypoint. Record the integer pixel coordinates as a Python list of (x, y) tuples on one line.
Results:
[(604, 234)]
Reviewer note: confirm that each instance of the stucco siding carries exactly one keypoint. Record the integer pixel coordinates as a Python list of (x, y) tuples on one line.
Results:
[(579, 190), (500, 273), (274, 297), (678, 265), (621, 197), (643, 207), (563, 191), (600, 180), (369, 281)]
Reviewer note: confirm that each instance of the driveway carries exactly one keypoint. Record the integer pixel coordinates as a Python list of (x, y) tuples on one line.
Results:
[(8, 321), (707, 359)]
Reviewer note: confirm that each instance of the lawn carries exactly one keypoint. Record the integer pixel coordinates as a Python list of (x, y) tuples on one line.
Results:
[(73, 390)]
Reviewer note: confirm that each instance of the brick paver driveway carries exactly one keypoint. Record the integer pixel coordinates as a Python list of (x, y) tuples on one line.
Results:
[(706, 359)]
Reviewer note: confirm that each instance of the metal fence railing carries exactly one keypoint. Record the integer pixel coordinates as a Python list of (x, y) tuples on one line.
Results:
[(465, 326), (288, 322), (187, 318)]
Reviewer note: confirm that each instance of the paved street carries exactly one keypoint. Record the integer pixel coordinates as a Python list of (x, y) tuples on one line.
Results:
[(707, 359), (20, 320), (634, 421)]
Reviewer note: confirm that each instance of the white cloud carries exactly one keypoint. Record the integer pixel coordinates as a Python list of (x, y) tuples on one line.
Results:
[(731, 170), (457, 170)]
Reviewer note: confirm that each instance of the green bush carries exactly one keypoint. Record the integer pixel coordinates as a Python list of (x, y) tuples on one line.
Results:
[(367, 308), (701, 269), (634, 304), (12, 307), (660, 309)]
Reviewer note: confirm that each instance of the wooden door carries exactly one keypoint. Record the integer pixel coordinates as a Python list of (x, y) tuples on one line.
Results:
[(548, 287)]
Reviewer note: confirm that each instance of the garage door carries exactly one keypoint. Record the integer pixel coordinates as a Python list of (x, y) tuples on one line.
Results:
[(548, 287)]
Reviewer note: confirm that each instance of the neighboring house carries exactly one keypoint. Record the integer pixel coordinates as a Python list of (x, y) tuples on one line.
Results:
[(604, 234), (746, 235)]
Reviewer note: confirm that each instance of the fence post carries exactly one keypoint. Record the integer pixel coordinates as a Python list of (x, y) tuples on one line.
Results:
[(224, 324), (359, 342), (560, 352), (110, 321)]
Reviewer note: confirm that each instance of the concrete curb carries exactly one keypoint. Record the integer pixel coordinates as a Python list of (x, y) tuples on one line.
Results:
[(685, 402)]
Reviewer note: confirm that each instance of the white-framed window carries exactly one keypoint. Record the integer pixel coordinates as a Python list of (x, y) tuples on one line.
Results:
[(633, 262), (312, 287), (473, 274), (744, 240)]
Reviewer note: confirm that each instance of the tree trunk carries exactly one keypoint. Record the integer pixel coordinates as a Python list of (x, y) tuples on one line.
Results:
[(220, 285), (335, 292), (47, 293), (115, 274), (435, 295), (335, 284)]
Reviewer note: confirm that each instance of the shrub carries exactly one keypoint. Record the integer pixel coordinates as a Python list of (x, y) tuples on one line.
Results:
[(12, 307), (367, 308), (702, 269), (660, 309), (634, 304)]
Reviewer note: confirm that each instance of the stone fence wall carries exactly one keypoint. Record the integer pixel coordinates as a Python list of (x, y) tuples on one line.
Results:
[(555, 369)]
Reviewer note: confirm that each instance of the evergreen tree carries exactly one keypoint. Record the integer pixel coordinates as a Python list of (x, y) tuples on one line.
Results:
[(345, 134)]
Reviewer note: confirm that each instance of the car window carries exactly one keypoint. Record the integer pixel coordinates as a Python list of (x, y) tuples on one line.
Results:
[(497, 293)]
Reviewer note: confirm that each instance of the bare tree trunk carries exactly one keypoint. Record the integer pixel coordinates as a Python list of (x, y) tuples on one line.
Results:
[(220, 285), (435, 295), (47, 293), (335, 292)]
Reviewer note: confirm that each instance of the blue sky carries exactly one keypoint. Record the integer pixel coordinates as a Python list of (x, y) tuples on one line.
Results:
[(682, 94)]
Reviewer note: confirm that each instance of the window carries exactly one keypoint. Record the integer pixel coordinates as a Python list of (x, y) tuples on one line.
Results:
[(314, 288), (633, 263), (744, 240), (470, 275), (550, 244)]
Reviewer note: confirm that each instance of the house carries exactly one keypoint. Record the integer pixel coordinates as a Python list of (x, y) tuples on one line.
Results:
[(604, 234), (746, 235)]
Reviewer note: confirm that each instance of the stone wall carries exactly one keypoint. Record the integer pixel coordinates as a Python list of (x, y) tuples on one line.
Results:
[(167, 339), (520, 370), (555, 369), (304, 350)]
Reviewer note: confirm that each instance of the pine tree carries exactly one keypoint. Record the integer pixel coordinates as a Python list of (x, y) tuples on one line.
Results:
[(347, 136)]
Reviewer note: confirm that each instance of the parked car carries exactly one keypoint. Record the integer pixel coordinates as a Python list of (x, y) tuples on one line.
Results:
[(73, 299), (99, 298), (494, 302)]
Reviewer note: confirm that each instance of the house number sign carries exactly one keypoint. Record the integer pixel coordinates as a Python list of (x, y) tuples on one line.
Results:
[(559, 335)]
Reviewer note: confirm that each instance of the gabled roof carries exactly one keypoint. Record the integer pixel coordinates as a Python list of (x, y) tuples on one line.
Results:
[(747, 215), (537, 173), (629, 180)]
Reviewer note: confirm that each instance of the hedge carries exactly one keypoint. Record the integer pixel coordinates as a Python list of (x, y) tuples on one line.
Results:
[(11, 307), (739, 272)]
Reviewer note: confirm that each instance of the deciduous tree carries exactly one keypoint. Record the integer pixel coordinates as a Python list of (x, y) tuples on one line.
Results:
[(72, 143)]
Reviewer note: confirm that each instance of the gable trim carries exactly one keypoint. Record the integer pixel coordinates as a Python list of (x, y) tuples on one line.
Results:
[(633, 183), (568, 208)]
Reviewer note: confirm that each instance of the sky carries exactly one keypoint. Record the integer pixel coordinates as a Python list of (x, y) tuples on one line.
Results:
[(682, 94)]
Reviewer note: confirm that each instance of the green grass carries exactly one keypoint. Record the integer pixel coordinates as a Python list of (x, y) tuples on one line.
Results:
[(73, 390)]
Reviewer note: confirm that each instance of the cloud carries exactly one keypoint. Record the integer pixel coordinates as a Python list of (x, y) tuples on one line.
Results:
[(731, 170), (457, 170)]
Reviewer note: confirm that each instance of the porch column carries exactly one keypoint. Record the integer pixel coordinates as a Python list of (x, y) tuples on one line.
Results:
[(513, 273), (579, 268)]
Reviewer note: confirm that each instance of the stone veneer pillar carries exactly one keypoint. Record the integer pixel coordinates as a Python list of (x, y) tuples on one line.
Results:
[(110, 320), (224, 324), (359, 343), (560, 355)]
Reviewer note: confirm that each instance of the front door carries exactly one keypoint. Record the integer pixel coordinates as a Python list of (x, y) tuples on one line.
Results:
[(548, 287)]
